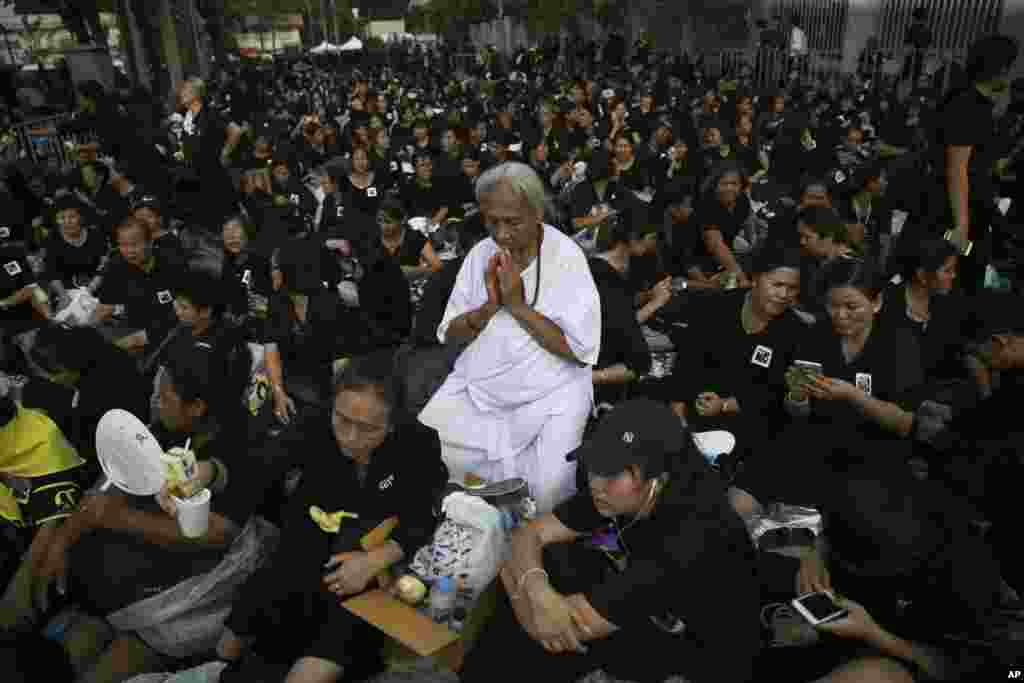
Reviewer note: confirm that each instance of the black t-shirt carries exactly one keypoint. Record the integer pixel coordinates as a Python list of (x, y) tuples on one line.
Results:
[(329, 331), (966, 119), (724, 359), (365, 200), (242, 275), (691, 541), (146, 294), (67, 263), (941, 340)]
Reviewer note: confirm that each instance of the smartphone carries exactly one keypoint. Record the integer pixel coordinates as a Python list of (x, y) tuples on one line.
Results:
[(809, 369), (819, 608)]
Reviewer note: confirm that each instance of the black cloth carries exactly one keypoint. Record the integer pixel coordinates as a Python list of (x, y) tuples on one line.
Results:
[(960, 107), (146, 294), (285, 605), (202, 150), (691, 540), (622, 340), (434, 302), (385, 304), (111, 569), (74, 265), (365, 201), (168, 250)]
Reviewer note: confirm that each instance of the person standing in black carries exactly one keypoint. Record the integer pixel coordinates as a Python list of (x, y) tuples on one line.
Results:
[(967, 155), (209, 142)]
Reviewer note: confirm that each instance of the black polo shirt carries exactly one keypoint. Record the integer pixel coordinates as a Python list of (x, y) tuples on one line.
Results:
[(67, 262), (146, 294), (692, 541)]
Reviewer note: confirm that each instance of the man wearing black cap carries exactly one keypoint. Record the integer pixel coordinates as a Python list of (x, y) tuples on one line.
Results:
[(651, 573)]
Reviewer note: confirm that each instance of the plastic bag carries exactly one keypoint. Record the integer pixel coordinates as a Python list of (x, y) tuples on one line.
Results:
[(470, 543), (79, 310), (206, 673)]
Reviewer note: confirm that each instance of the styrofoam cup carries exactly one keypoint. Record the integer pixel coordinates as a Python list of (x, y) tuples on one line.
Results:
[(194, 514)]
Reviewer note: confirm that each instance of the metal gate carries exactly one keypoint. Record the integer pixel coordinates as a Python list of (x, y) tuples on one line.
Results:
[(824, 21), (955, 24)]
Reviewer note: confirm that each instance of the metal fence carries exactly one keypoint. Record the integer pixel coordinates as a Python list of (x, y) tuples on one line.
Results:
[(772, 68), (824, 21), (953, 23)]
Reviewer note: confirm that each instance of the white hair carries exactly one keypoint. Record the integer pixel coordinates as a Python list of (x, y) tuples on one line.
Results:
[(520, 178)]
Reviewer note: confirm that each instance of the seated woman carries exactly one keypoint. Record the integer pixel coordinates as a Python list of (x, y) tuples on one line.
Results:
[(925, 303), (425, 195), (74, 253), (721, 215), (136, 297), (407, 248), (289, 612), (783, 226), (921, 589), (362, 189), (858, 410), (627, 170), (125, 558), (733, 377), (245, 275), (625, 355), (307, 329)]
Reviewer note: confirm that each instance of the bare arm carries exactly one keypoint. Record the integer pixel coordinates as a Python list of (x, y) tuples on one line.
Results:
[(888, 415), (430, 258), (614, 374), (469, 325), (716, 246), (957, 185), (527, 545), (441, 216)]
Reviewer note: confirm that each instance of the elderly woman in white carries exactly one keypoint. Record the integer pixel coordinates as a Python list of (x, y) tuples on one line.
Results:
[(518, 399)]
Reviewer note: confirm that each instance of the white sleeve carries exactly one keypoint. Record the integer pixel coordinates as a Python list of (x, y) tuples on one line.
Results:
[(469, 292), (577, 309)]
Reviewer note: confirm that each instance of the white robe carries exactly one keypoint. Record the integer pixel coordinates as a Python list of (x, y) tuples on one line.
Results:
[(511, 407)]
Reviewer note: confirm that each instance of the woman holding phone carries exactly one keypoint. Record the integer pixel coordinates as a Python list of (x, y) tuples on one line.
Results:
[(859, 410)]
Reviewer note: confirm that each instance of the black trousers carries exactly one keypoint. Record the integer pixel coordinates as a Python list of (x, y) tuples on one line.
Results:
[(634, 653)]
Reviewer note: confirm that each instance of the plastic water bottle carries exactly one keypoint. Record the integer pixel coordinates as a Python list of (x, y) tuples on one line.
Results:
[(442, 600)]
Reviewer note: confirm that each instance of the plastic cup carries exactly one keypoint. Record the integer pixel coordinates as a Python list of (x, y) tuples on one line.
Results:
[(194, 514)]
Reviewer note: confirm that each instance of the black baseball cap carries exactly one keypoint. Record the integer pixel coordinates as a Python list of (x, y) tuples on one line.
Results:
[(639, 432)]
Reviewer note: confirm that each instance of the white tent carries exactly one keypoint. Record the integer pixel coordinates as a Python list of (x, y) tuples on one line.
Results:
[(351, 45), (324, 48)]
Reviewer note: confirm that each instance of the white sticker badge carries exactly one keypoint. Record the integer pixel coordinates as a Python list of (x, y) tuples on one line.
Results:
[(13, 268), (863, 382), (5, 232), (164, 296), (371, 192), (762, 356), (247, 277)]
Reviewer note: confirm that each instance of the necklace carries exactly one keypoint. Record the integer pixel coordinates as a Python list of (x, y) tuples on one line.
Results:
[(917, 315)]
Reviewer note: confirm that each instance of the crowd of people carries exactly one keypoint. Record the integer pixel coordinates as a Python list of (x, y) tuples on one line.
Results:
[(346, 289)]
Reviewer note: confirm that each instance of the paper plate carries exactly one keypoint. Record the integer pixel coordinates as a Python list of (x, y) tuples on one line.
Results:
[(129, 454)]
